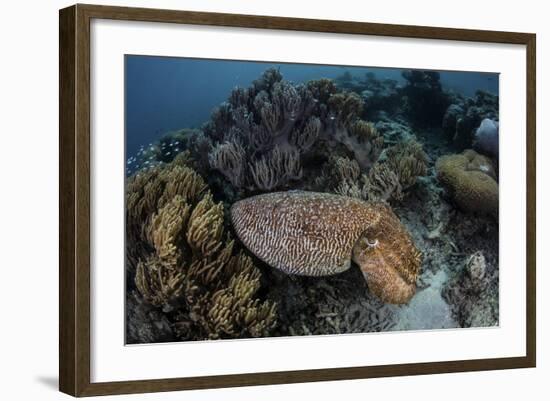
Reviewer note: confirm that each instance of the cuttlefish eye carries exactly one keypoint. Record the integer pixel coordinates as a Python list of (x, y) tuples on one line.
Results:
[(367, 244), (388, 259)]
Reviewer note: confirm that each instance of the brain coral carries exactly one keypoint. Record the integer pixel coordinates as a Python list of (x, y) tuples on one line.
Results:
[(317, 234), (470, 179)]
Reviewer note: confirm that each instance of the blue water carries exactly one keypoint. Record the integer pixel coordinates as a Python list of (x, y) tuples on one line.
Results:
[(165, 93)]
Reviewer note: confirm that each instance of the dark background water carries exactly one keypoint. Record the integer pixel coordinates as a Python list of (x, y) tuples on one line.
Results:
[(167, 93)]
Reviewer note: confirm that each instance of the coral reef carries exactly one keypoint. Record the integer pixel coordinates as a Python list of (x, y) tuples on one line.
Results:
[(429, 261), (464, 116), (168, 147), (145, 323), (377, 94), (486, 138), (471, 293), (470, 180), (408, 160), (394, 129), (388, 179), (426, 101), (317, 234), (269, 135), (184, 263), (380, 95)]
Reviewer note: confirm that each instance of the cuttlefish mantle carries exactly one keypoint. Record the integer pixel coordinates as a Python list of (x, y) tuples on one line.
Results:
[(319, 234)]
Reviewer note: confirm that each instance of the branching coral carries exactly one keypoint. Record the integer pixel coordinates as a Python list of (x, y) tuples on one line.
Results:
[(185, 263), (470, 180), (409, 161), (266, 134), (364, 141), (346, 178), (387, 179), (148, 192), (305, 138), (269, 78), (276, 168), (322, 90), (230, 160), (345, 169), (345, 107), (383, 184), (344, 126)]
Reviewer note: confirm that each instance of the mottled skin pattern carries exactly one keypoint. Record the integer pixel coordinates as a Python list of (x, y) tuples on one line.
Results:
[(316, 234), (388, 258)]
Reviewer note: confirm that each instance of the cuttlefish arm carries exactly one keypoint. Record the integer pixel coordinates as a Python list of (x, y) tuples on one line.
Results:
[(388, 259)]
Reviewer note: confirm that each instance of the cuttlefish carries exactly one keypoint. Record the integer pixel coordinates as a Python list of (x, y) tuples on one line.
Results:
[(319, 234)]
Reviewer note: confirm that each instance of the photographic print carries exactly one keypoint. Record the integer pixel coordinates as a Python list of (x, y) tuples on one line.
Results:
[(270, 199)]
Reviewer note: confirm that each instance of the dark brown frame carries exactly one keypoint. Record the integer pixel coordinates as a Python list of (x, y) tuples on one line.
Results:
[(74, 199)]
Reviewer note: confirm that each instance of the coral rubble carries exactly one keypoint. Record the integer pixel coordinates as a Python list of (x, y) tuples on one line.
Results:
[(471, 293)]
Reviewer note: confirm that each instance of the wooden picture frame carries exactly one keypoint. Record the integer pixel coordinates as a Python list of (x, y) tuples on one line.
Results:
[(74, 203)]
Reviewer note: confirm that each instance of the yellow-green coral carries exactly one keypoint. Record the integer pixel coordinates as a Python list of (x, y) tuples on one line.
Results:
[(383, 183), (343, 169), (408, 160), (183, 260), (347, 106), (147, 192), (322, 89), (366, 132), (469, 179), (387, 178)]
